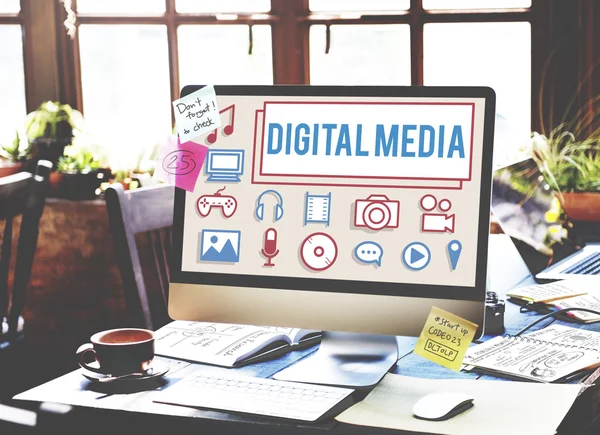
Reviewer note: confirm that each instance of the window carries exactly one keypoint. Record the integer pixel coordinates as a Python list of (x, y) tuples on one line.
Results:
[(11, 7), (360, 55), (12, 85), (137, 53), (475, 4), (223, 6), (225, 57), (125, 81), (439, 42), (120, 7), (372, 6), (499, 57)]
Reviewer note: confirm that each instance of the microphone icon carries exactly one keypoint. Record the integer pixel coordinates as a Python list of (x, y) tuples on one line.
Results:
[(269, 249)]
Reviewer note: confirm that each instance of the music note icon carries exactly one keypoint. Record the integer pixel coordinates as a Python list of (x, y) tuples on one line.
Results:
[(228, 129)]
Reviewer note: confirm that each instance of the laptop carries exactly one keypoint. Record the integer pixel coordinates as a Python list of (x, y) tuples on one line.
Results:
[(522, 201)]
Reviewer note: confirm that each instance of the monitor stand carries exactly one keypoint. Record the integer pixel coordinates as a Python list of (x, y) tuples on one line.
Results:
[(345, 359)]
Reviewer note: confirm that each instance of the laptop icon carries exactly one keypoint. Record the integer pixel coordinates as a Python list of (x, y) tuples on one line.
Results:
[(224, 165), (523, 203)]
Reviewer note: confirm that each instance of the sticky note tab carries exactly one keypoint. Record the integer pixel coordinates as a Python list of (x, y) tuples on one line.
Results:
[(197, 113), (445, 338), (180, 163)]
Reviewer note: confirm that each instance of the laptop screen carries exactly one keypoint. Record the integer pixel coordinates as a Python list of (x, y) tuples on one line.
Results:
[(524, 204)]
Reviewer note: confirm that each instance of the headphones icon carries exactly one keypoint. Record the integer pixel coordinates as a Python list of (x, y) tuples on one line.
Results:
[(260, 207)]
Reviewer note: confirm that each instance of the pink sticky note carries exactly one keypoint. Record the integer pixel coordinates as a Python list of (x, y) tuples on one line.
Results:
[(180, 163)]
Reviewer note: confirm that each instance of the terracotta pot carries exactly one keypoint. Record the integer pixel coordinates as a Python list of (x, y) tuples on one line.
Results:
[(581, 206), (9, 168), (55, 181)]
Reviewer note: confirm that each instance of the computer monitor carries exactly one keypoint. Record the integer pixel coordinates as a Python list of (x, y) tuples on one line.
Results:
[(224, 165), (359, 209)]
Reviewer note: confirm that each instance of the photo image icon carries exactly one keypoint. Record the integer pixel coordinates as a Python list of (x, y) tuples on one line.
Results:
[(220, 245), (369, 253)]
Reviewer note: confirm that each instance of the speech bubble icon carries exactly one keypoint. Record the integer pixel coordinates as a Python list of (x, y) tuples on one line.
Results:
[(369, 253)]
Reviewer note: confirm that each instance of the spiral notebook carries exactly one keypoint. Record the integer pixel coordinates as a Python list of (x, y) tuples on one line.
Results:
[(553, 354)]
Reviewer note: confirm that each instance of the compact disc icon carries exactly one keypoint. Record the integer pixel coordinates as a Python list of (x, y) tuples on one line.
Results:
[(318, 251)]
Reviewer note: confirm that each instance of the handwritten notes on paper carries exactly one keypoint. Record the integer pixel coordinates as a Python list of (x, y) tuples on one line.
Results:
[(445, 338), (180, 163), (197, 113)]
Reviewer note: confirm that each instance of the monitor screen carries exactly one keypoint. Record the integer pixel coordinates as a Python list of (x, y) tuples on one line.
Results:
[(224, 161), (381, 191), (522, 201)]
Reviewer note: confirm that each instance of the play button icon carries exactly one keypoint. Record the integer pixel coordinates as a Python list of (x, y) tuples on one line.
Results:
[(416, 256)]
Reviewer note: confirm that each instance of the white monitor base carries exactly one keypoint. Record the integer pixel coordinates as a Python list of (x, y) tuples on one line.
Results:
[(345, 360)]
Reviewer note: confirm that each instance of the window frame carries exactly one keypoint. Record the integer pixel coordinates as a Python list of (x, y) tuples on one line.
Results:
[(20, 18), (290, 22)]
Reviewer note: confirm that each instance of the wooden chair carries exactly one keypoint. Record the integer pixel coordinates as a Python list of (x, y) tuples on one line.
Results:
[(132, 213), (22, 194)]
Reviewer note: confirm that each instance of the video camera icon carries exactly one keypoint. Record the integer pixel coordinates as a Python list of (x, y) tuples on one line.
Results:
[(436, 222)]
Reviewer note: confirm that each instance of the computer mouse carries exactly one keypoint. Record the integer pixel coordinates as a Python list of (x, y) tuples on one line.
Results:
[(442, 405)]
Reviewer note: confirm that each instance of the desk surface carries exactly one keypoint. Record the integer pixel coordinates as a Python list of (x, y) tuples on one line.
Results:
[(106, 403)]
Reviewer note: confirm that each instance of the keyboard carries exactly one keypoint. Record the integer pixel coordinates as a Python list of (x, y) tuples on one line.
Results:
[(590, 265), (250, 395)]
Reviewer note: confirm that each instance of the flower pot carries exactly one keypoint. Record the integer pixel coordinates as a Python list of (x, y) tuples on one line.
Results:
[(77, 186), (48, 149), (9, 168), (581, 206), (56, 182)]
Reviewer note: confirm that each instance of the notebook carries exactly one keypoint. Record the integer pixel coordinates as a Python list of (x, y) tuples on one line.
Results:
[(228, 345), (572, 293), (553, 354)]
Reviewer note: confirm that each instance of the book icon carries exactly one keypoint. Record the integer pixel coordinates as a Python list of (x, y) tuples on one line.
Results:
[(220, 245)]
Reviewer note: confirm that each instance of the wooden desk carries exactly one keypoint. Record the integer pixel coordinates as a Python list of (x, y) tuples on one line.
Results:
[(136, 413)]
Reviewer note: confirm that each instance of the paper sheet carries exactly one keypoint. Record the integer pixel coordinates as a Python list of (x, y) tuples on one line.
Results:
[(500, 407), (197, 113), (567, 336), (180, 163), (445, 338), (551, 291), (74, 389)]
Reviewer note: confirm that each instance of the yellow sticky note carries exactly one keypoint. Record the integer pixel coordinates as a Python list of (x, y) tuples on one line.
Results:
[(445, 338)]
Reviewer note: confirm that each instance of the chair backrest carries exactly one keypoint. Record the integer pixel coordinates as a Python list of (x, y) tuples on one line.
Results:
[(146, 210), (22, 194)]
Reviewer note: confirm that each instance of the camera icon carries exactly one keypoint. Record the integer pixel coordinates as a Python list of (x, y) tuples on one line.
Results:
[(376, 212)]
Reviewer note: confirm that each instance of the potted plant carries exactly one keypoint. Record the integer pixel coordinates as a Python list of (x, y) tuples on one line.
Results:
[(51, 128), (571, 167), (79, 172), (13, 155)]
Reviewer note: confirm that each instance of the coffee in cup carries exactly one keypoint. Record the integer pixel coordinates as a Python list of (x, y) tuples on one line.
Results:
[(119, 351)]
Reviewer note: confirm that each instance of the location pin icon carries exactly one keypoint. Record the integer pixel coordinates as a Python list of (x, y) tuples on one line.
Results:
[(454, 250)]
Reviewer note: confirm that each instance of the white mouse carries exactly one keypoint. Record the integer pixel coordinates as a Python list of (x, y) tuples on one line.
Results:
[(442, 405)]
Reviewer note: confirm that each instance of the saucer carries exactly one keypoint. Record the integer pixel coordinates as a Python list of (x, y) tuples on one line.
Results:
[(157, 370)]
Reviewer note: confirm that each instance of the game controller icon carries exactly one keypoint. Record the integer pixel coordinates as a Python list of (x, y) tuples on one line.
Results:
[(226, 203)]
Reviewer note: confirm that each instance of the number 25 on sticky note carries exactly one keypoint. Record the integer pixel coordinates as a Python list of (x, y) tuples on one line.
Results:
[(445, 338)]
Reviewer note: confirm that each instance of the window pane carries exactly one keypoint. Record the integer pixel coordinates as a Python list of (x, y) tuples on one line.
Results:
[(486, 54), (475, 4), (360, 55), (12, 85), (358, 5), (126, 91), (119, 7), (208, 6), (10, 6), (224, 57)]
